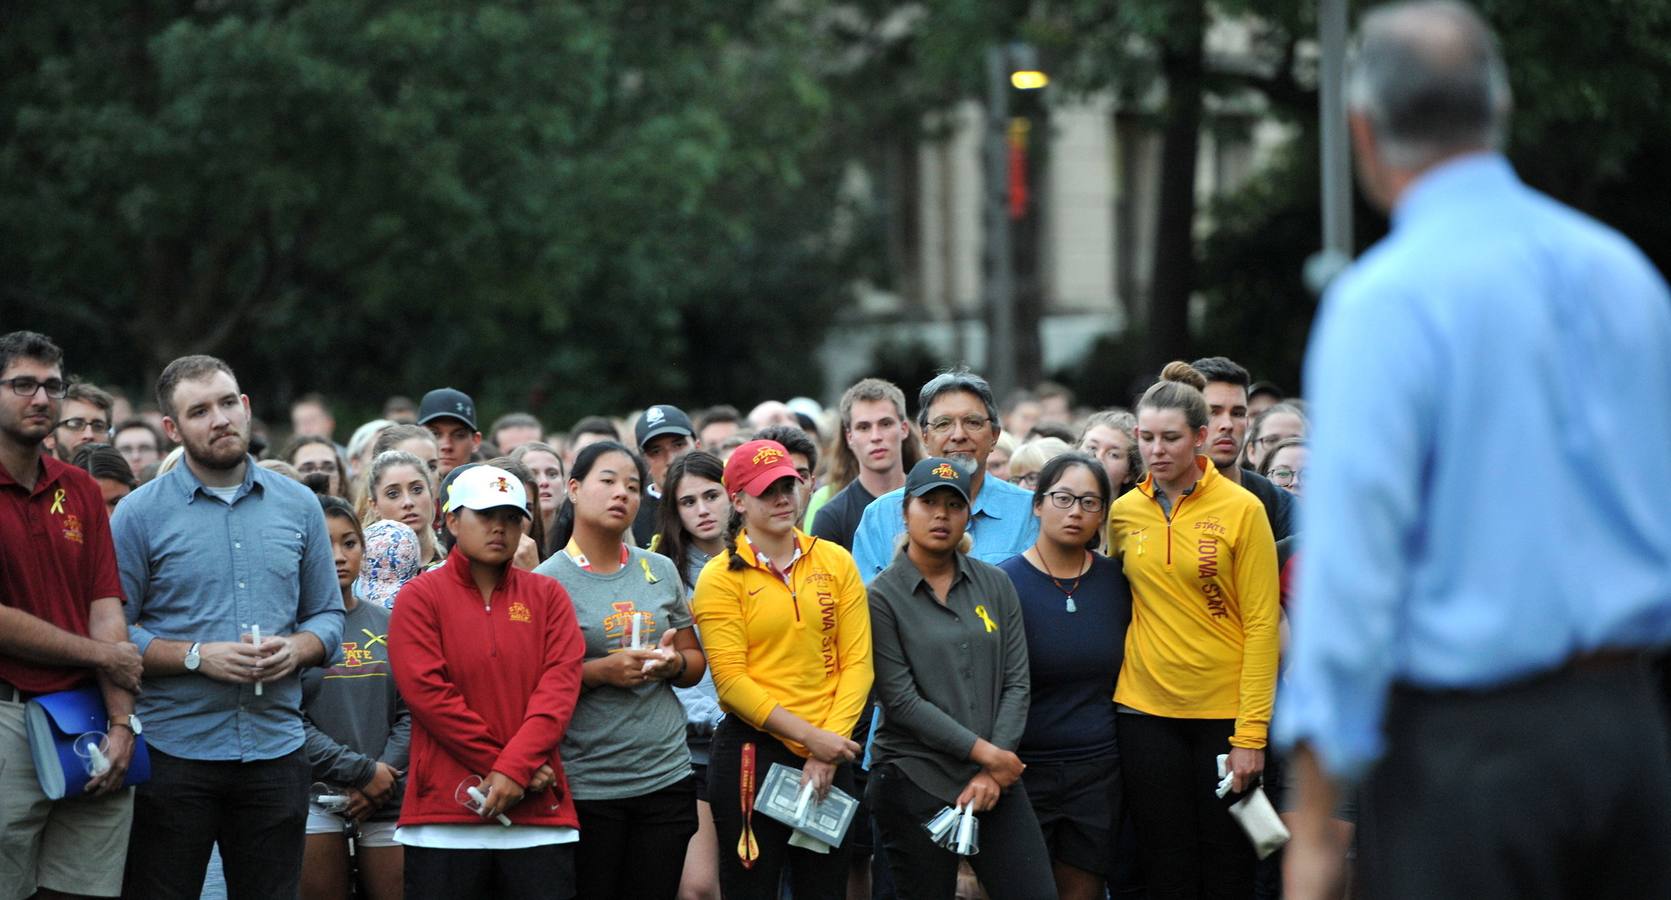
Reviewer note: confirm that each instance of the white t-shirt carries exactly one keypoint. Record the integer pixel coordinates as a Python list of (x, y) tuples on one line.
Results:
[(490, 836)]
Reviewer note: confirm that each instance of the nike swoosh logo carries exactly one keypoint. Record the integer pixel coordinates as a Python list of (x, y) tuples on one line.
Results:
[(755, 591)]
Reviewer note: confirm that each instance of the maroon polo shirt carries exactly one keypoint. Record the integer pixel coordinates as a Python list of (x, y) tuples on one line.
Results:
[(56, 558)]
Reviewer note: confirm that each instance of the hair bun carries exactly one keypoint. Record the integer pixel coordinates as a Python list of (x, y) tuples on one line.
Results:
[(1184, 373)]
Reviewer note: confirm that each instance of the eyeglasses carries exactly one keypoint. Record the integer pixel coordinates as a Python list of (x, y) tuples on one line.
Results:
[(971, 424), (1028, 481), (1285, 476), (99, 426), (326, 468), (1065, 500), (1271, 440), (24, 386)]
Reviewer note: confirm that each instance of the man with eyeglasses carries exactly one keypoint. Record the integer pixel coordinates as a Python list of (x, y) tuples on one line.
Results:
[(959, 421), (61, 627), (1227, 385), (83, 418)]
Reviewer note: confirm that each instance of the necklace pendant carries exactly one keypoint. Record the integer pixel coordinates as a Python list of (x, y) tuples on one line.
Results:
[(1071, 607)]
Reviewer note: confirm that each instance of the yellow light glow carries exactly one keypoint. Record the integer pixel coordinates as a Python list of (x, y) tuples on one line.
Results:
[(1029, 80)]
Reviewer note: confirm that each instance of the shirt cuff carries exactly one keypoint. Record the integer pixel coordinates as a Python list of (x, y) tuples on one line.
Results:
[(141, 638)]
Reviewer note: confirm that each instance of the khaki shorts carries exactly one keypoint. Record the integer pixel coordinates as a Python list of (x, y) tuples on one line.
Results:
[(74, 846)]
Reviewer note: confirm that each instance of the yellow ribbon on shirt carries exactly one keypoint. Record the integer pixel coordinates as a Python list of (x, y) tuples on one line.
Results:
[(648, 575), (991, 626), (58, 501)]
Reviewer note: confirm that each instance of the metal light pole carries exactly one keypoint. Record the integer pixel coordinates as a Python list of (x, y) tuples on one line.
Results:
[(1335, 148), (1007, 66), (1000, 266)]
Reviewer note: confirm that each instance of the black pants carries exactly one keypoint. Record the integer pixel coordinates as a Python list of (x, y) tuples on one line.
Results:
[(256, 811), (1190, 846), (1553, 788), (635, 846), (544, 873), (1013, 862), (811, 875)]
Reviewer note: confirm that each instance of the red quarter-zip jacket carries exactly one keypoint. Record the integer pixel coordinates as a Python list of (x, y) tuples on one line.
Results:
[(491, 688)]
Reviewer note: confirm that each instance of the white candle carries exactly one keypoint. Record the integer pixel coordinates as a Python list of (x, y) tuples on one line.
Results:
[(100, 763), (481, 804), (966, 830), (801, 804), (637, 618), (255, 638)]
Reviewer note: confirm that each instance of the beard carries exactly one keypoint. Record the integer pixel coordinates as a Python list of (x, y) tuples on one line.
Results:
[(217, 453), (964, 461)]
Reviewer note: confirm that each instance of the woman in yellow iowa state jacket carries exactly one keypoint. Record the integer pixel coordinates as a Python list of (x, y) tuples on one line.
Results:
[(1201, 653), (786, 625)]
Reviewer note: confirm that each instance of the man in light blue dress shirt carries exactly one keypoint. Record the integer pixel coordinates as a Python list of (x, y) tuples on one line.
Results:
[(959, 421), (1487, 564), (206, 551)]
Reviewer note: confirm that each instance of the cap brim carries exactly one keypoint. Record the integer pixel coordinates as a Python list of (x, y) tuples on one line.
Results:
[(447, 415), (519, 509), (660, 430), (923, 489), (757, 485)]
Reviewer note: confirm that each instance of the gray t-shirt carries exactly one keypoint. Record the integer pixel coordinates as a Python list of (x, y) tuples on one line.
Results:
[(621, 742)]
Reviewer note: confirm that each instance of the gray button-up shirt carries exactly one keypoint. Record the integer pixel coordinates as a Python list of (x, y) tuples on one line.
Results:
[(946, 674), (196, 568)]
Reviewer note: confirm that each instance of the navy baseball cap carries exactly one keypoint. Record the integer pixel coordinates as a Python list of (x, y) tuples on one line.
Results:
[(447, 403), (936, 472)]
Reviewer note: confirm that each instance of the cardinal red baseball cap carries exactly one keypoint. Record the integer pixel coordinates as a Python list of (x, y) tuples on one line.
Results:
[(755, 465)]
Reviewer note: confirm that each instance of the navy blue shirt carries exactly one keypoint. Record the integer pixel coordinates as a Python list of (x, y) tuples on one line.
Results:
[(1074, 659)]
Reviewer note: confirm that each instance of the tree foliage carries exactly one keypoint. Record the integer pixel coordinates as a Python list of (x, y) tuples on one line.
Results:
[(566, 206)]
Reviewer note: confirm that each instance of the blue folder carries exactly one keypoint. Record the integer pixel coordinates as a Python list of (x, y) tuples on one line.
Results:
[(54, 721)]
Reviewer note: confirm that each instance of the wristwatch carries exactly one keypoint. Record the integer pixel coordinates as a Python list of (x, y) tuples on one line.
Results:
[(192, 657), (132, 724)]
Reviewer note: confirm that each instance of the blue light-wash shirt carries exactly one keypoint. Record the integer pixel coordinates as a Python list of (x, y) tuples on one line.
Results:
[(1001, 523), (1490, 392), (196, 568)]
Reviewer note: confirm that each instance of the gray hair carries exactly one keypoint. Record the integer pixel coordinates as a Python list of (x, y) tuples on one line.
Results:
[(1430, 77), (958, 379)]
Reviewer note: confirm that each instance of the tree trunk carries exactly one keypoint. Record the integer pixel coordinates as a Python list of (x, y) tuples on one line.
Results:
[(1174, 268)]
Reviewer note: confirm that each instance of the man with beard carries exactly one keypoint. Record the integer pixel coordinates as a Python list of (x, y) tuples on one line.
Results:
[(209, 552), (1227, 404), (61, 627), (959, 421), (85, 419)]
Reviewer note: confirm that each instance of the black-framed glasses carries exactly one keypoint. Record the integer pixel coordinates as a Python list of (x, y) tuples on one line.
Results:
[(1064, 500), (25, 386), (971, 424), (99, 426), (1283, 475)]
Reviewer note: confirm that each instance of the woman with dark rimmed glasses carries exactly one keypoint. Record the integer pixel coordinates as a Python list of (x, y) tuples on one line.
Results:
[(1077, 606)]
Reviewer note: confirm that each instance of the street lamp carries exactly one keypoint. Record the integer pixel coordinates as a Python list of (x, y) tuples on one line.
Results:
[(1007, 65)]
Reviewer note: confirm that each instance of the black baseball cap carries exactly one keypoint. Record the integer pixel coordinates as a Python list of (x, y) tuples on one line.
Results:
[(447, 403), (662, 419), (936, 472)]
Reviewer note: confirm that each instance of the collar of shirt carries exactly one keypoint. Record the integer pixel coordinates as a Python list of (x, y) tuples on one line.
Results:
[(573, 550), (1209, 475), (192, 486), (49, 468), (1456, 182), (917, 581), (765, 562)]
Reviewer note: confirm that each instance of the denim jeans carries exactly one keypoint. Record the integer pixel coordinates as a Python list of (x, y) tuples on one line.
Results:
[(257, 811)]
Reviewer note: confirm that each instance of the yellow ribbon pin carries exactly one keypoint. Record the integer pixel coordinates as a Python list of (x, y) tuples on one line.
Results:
[(991, 626), (58, 501), (648, 575)]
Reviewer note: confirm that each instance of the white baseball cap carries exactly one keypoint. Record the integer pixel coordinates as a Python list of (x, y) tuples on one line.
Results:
[(483, 488)]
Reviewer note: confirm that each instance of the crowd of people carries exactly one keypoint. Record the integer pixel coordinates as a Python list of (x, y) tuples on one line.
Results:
[(447, 661), (618, 630)]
